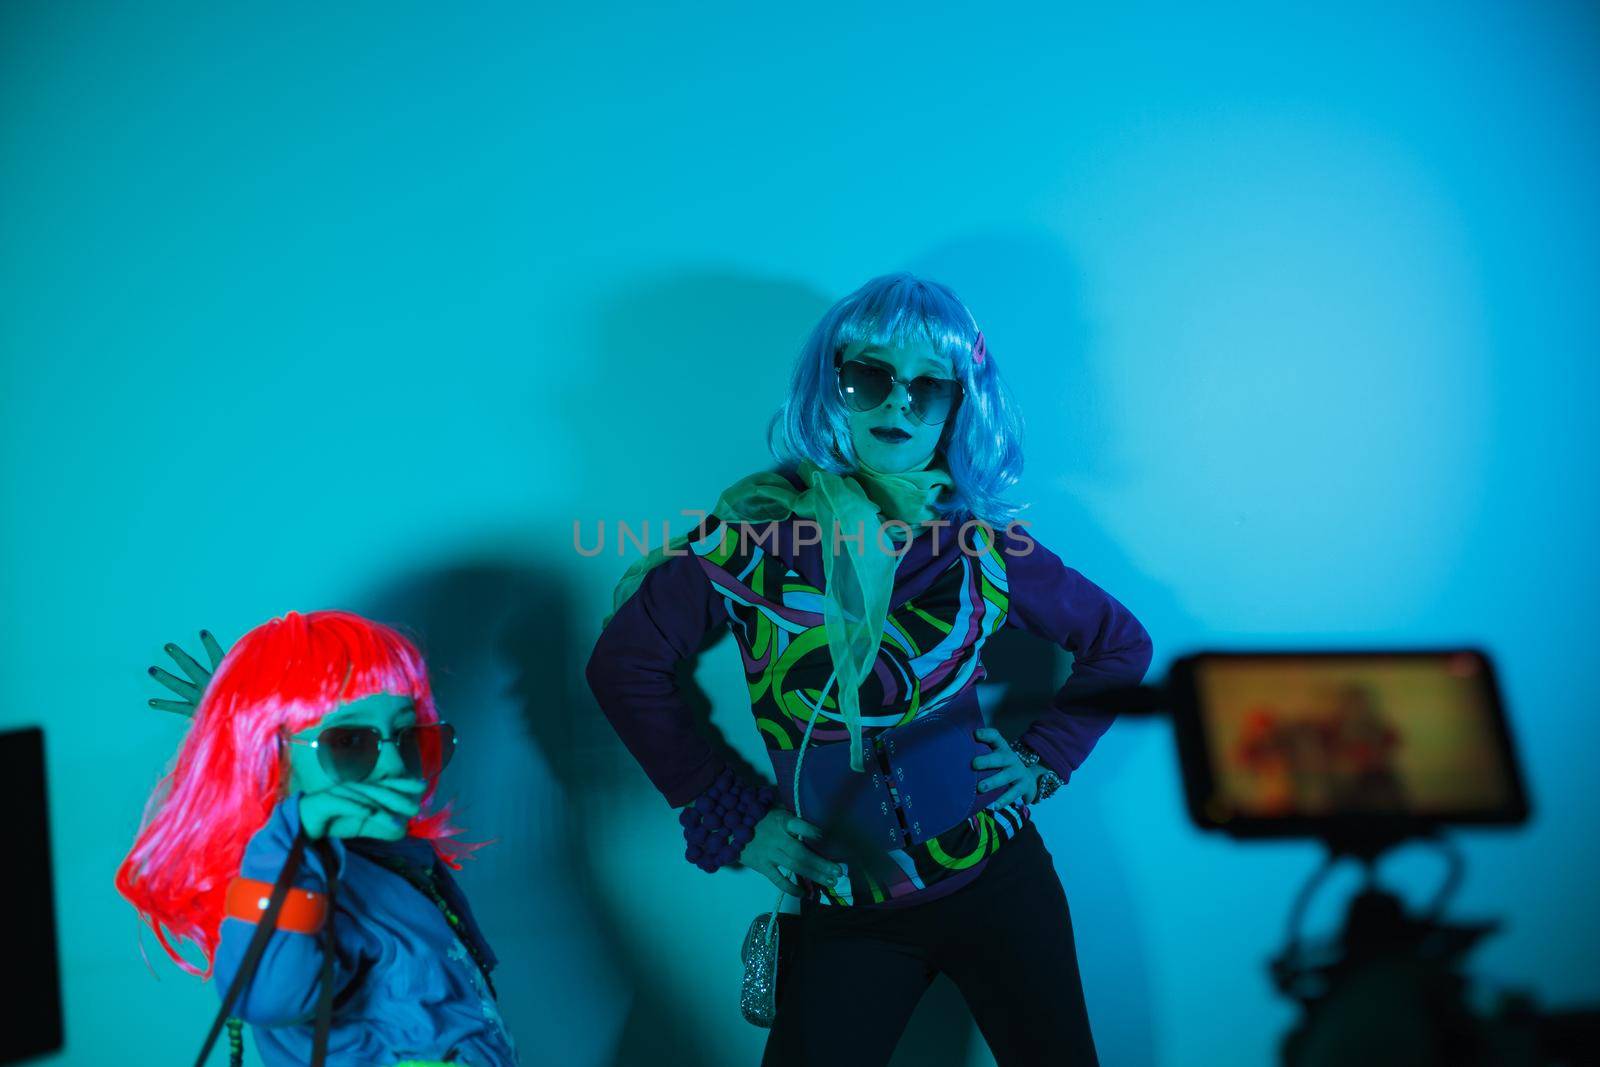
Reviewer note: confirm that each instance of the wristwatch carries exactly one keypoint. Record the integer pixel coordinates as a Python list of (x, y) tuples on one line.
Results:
[(1049, 781)]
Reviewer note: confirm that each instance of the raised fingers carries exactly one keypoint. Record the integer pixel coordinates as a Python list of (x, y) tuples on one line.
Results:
[(188, 690), (213, 649), (186, 663)]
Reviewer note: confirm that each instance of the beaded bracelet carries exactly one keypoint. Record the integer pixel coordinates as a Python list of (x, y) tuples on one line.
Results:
[(1049, 781), (722, 820)]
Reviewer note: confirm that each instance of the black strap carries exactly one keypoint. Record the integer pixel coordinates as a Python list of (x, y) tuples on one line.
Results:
[(319, 1041), (258, 945)]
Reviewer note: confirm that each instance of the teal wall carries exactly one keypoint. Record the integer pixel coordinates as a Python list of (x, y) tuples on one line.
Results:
[(364, 308)]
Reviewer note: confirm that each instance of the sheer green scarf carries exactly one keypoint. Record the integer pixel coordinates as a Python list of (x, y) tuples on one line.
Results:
[(858, 572)]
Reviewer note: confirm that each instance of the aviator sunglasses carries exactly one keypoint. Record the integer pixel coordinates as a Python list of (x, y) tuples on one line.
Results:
[(863, 386), (349, 753)]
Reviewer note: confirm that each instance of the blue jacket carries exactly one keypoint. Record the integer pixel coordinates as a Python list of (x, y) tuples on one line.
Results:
[(405, 986)]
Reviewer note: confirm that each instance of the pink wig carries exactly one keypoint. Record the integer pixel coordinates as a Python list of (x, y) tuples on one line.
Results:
[(231, 770)]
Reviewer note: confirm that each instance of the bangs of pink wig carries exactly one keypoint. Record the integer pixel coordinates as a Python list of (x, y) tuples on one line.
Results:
[(231, 771)]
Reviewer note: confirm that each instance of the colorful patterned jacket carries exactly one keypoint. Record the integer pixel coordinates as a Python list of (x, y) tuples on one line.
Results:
[(919, 708)]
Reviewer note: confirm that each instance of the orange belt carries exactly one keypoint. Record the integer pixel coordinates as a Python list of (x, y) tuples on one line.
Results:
[(303, 911)]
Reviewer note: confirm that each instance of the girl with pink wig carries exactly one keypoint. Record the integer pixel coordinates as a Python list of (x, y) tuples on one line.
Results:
[(321, 728)]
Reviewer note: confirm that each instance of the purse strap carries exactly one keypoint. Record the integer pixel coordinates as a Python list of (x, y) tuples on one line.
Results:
[(772, 922), (258, 945)]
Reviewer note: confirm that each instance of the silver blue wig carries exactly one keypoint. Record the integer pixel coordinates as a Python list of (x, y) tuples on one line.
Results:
[(981, 444)]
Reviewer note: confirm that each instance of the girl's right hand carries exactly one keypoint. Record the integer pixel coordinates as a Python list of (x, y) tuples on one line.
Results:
[(191, 691), (777, 842), (362, 809)]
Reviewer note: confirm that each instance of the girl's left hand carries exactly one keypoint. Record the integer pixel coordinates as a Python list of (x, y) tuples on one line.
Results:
[(1023, 780)]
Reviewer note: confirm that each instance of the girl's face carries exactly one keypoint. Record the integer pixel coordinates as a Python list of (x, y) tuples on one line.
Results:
[(889, 439), (386, 712)]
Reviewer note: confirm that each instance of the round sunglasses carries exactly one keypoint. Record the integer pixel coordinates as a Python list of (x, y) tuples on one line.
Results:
[(349, 753), (863, 386)]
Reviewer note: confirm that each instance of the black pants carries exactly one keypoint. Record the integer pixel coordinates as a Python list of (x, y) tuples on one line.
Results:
[(1005, 940)]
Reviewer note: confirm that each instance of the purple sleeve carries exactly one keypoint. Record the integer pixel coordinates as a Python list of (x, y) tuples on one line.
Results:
[(633, 674), (1110, 648)]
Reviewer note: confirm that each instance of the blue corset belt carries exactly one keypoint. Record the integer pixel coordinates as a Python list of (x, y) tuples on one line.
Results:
[(918, 783)]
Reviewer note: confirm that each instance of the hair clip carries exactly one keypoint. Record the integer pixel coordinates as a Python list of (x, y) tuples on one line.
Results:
[(979, 351)]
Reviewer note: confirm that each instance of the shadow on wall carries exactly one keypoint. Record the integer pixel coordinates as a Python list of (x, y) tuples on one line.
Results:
[(1026, 292), (506, 652), (684, 368)]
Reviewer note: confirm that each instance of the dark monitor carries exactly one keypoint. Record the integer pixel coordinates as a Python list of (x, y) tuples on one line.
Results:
[(1330, 744), (33, 999)]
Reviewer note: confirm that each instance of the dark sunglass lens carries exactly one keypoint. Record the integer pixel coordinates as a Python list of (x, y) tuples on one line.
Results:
[(426, 750), (932, 399), (348, 753), (864, 386)]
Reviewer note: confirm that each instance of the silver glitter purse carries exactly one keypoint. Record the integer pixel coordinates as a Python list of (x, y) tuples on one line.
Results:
[(758, 992)]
